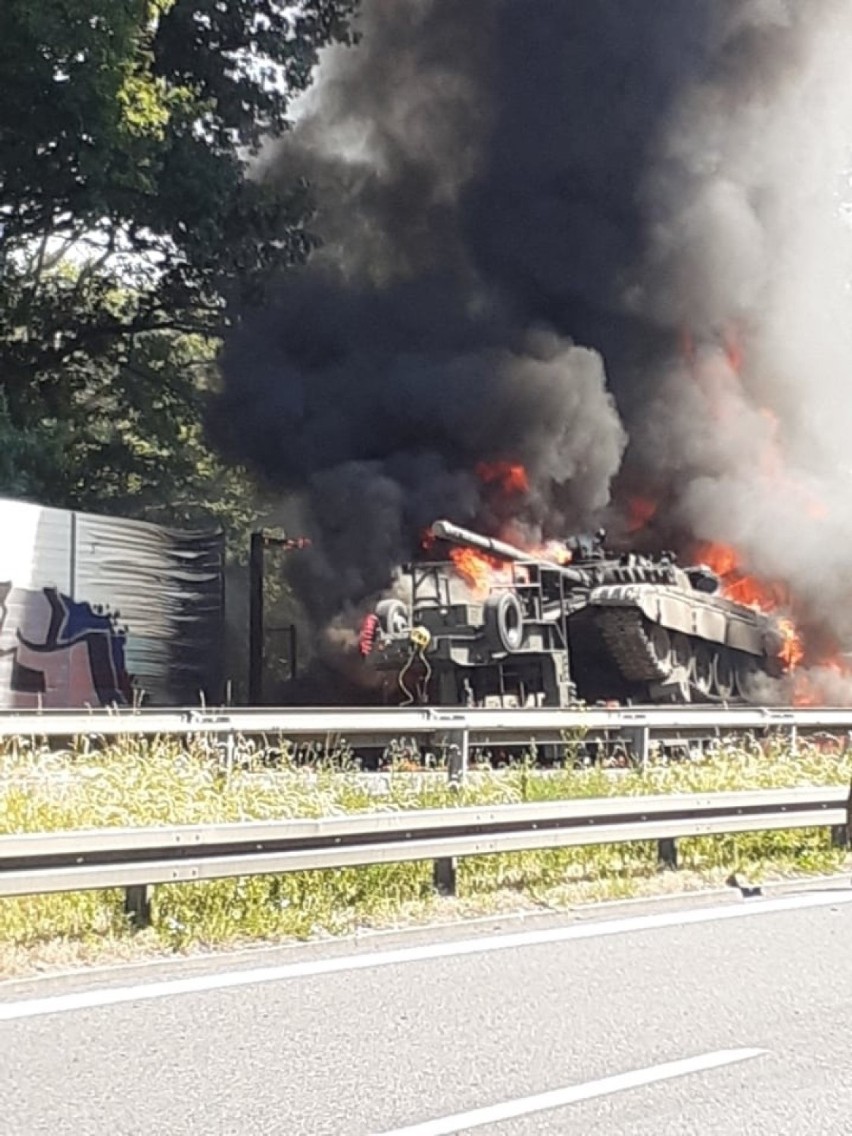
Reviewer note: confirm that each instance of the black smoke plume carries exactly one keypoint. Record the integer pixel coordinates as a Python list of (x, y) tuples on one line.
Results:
[(548, 227)]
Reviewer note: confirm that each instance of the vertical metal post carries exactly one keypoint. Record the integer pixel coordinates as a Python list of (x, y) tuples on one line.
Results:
[(72, 568), (137, 905), (638, 738), (255, 677), (230, 748), (667, 854), (444, 876), (643, 746), (458, 752), (842, 836), (220, 687)]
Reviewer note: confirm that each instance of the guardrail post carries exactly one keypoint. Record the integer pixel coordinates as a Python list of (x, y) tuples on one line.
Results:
[(638, 739), (137, 905), (667, 854), (847, 831), (458, 751), (444, 875)]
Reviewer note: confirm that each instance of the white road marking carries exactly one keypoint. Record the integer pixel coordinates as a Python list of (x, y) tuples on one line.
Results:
[(369, 960), (573, 1094)]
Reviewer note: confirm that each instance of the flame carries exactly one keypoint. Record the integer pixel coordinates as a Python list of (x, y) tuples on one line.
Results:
[(792, 652), (764, 595), (552, 550), (721, 558), (478, 570), (805, 692), (481, 572), (509, 477), (737, 585), (827, 673), (640, 510), (809, 687)]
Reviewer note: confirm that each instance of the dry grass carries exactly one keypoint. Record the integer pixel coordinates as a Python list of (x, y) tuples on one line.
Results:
[(143, 782)]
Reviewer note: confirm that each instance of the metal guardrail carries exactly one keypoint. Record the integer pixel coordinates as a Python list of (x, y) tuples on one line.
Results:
[(137, 858), (317, 723), (453, 730)]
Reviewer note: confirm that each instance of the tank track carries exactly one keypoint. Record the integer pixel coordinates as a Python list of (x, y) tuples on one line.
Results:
[(626, 636), (628, 641)]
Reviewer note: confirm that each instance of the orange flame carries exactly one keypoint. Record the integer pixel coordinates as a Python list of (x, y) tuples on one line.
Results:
[(640, 510), (737, 585), (481, 571), (792, 652), (810, 687), (554, 551), (509, 477), (764, 595), (478, 570)]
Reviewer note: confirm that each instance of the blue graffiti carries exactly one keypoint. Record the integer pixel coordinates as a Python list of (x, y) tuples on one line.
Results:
[(77, 652)]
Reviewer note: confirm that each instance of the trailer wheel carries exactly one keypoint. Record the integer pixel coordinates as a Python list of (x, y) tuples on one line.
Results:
[(504, 622), (392, 616)]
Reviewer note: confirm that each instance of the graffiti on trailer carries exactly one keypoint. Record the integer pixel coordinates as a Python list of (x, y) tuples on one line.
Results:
[(57, 652)]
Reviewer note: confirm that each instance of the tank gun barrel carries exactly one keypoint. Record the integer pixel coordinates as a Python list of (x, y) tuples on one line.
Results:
[(466, 538)]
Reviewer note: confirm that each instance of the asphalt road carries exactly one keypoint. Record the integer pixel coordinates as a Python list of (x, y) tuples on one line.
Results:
[(723, 1017)]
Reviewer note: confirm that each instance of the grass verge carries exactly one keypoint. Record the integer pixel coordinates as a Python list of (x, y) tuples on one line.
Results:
[(151, 782)]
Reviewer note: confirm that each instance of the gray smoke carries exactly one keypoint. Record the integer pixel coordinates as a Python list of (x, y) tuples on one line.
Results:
[(748, 241), (548, 227)]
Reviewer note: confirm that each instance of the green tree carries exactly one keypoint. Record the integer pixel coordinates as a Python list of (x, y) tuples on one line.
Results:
[(127, 123), (129, 229)]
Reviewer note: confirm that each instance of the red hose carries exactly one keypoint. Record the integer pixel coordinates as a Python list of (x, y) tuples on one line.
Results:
[(369, 630)]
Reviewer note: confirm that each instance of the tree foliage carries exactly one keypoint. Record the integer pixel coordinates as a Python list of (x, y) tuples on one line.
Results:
[(132, 119), (128, 227)]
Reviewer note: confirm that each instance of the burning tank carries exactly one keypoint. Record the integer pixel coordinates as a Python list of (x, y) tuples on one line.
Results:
[(598, 627)]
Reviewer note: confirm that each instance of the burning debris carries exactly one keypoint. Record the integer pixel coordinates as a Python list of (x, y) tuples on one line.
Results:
[(547, 229)]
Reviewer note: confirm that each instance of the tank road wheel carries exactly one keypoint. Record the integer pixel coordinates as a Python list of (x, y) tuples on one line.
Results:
[(504, 622), (723, 674), (702, 669), (681, 651), (745, 670), (392, 616), (661, 648)]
